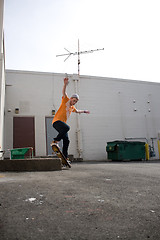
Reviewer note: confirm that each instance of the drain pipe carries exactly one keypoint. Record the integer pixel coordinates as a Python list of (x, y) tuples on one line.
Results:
[(78, 130)]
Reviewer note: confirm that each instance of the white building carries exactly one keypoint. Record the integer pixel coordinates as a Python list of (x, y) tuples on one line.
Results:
[(2, 80), (120, 110)]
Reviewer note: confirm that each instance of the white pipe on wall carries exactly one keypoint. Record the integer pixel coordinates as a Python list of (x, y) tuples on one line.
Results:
[(78, 130)]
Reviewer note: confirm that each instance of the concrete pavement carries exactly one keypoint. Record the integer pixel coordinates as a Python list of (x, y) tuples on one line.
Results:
[(90, 201)]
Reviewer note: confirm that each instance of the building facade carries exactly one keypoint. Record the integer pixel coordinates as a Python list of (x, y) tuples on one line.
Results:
[(2, 80), (119, 110)]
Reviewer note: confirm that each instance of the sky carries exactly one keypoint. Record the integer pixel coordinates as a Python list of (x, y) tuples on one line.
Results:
[(128, 30)]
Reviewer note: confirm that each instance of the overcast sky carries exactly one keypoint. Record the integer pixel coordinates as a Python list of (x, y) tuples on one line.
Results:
[(128, 30)]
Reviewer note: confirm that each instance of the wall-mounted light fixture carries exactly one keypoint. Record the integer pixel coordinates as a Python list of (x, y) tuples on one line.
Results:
[(135, 109), (53, 112), (16, 111)]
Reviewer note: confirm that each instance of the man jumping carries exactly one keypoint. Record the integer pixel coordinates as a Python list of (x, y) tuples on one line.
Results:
[(62, 115)]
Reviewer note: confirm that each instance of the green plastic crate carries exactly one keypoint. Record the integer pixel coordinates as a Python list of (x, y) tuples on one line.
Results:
[(125, 150), (19, 153)]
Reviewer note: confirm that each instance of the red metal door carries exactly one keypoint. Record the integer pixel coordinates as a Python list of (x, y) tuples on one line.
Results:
[(23, 132)]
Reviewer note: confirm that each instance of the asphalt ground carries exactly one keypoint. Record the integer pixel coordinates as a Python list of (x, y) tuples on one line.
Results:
[(89, 201)]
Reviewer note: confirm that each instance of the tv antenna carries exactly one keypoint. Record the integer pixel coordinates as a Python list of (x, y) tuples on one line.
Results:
[(77, 53)]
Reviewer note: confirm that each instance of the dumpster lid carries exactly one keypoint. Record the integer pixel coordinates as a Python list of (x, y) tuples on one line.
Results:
[(125, 142)]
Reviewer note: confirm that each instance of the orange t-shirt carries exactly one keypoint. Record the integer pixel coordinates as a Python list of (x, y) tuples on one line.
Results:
[(64, 110)]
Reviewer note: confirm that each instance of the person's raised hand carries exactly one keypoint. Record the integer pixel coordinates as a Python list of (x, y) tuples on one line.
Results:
[(66, 80)]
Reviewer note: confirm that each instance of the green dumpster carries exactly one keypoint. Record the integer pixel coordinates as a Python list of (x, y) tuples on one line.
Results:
[(19, 153), (125, 150)]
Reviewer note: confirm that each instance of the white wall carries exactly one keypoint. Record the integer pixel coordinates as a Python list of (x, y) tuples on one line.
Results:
[(112, 103), (1, 21)]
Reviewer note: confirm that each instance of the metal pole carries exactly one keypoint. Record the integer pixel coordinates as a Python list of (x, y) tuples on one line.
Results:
[(78, 59)]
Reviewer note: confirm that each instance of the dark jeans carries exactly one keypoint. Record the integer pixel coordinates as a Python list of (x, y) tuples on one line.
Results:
[(62, 129)]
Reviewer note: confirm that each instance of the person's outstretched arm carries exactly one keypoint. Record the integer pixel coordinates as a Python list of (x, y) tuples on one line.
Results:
[(64, 87)]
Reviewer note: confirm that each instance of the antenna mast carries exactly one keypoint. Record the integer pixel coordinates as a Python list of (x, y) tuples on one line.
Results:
[(77, 53)]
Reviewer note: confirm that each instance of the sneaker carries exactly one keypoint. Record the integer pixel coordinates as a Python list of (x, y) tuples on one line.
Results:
[(68, 161), (64, 167), (56, 142)]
